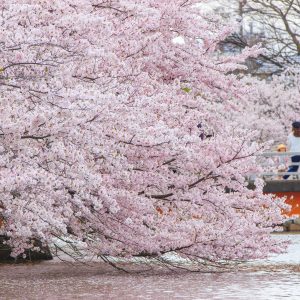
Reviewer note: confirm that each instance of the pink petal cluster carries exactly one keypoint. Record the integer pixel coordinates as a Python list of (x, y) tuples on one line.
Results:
[(275, 102)]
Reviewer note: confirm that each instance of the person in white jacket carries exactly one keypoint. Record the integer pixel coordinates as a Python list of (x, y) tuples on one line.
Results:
[(293, 145)]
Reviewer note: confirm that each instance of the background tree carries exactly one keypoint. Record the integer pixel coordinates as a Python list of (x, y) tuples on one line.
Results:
[(279, 21), (101, 144), (274, 24)]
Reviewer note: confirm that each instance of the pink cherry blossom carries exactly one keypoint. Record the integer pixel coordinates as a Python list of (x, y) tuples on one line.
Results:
[(99, 140)]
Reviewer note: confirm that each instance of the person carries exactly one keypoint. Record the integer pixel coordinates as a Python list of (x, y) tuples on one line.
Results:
[(293, 145), (281, 160), (281, 148)]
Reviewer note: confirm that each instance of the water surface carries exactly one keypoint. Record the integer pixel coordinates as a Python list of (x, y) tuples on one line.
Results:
[(276, 278)]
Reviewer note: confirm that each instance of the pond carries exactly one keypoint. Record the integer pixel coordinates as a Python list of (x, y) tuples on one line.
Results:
[(275, 278)]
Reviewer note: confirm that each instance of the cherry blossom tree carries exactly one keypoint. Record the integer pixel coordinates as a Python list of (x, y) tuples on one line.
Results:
[(115, 132)]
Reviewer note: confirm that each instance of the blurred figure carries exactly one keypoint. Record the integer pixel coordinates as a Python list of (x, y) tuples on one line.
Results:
[(293, 145), (281, 160)]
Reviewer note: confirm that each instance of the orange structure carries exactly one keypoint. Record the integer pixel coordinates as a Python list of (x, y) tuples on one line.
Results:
[(293, 199), (289, 189)]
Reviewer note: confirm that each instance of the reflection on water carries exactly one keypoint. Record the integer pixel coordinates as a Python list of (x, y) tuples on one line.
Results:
[(56, 280)]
